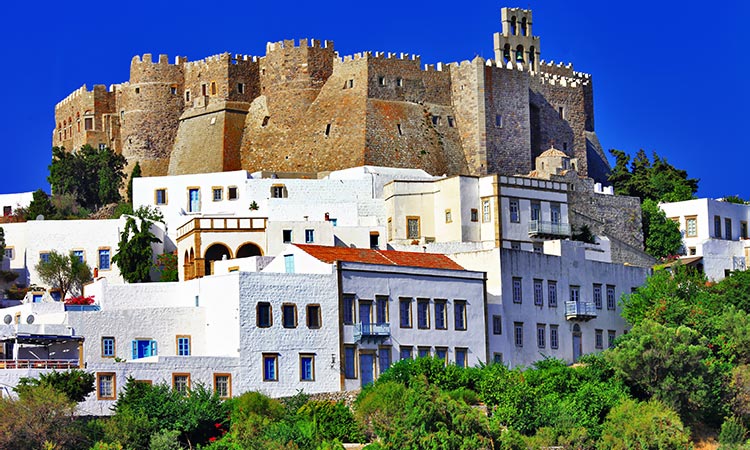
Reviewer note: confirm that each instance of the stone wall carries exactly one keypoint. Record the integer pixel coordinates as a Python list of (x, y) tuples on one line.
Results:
[(85, 117)]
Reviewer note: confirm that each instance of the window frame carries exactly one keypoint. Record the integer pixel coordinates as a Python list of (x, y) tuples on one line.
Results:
[(311, 358), (441, 315), (229, 384), (611, 336), (379, 301), (486, 211), (284, 233), (541, 335), (217, 190), (178, 346), (258, 307), (552, 293), (409, 234), (274, 357), (405, 350), (517, 289), (597, 292), (163, 191), (538, 292), (309, 236), (185, 375), (233, 193), (694, 220), (426, 310), (459, 311), (518, 334), (347, 311), (99, 394), (350, 362), (104, 347), (574, 289), (313, 310), (497, 324), (554, 337), (109, 258), (598, 338), (611, 299), (285, 307), (409, 323), (514, 210)]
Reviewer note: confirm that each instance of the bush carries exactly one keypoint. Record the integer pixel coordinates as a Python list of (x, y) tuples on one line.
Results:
[(75, 384), (644, 425), (332, 421), (733, 432)]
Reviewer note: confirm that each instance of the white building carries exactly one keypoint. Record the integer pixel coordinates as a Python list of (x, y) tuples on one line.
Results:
[(11, 202), (714, 234)]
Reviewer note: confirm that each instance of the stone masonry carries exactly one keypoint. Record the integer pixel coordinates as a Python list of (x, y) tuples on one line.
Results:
[(303, 108)]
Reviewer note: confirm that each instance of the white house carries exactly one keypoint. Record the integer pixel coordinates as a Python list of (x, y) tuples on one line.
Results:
[(11, 202), (714, 234)]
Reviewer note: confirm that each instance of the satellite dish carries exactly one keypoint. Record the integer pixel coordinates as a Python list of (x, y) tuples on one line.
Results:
[(30, 319), (40, 217), (8, 319)]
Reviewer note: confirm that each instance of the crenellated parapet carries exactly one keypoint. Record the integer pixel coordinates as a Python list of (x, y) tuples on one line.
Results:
[(303, 43)]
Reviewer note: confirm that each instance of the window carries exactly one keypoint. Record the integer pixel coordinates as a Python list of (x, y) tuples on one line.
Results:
[(554, 210), (436, 120), (598, 296), (399, 82), (289, 263), (474, 215), (423, 352), (218, 194), (108, 347), (423, 313), (610, 338), (374, 240), (459, 315), (461, 356), (440, 315), (451, 121), (88, 123), (328, 130), (575, 293), (76, 253), (598, 338), (348, 310), (137, 90), (181, 382), (187, 96), (160, 196), (536, 210), (727, 228), (264, 122), (349, 367), (717, 227), (514, 213), (223, 385), (183, 345), (442, 353), (289, 315), (286, 236), (103, 259), (552, 293), (743, 230), (485, 210), (691, 226), (538, 293), (553, 337), (278, 191), (398, 128), (44, 257), (194, 200), (390, 228), (541, 333), (412, 228), (313, 316), (497, 358), (448, 216), (143, 348), (518, 333), (497, 324), (309, 236), (270, 367), (213, 88), (106, 387), (517, 291), (610, 297), (404, 312), (561, 111), (240, 88), (232, 193), (264, 317), (384, 359), (349, 84), (381, 309), (405, 352), (499, 120), (307, 367)]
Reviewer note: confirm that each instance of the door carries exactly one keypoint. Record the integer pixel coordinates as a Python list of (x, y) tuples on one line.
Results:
[(367, 368), (577, 344), (365, 316)]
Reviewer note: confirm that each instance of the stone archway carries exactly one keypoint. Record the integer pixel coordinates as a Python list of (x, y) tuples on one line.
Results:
[(215, 252), (248, 249)]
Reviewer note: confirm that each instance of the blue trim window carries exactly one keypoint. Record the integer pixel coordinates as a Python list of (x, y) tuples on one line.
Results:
[(44, 257), (306, 368), (270, 366), (143, 348), (405, 352), (78, 254), (104, 259), (461, 357), (183, 346), (349, 371), (423, 313), (348, 309), (309, 236), (108, 347), (459, 315), (404, 311), (289, 263), (384, 358)]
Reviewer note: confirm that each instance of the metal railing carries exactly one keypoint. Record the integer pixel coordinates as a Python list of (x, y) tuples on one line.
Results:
[(539, 227), (39, 364), (580, 310), (371, 330)]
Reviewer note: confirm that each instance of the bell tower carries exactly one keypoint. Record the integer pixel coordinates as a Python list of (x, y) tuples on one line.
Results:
[(516, 44)]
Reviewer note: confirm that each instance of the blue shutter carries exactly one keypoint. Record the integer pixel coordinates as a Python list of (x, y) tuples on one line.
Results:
[(135, 349), (153, 348)]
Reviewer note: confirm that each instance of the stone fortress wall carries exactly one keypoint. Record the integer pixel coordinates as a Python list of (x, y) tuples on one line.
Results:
[(303, 108)]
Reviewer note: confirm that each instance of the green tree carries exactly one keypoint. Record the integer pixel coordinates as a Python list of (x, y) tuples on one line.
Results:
[(645, 426), (93, 176), (735, 289), (735, 199), (656, 180), (661, 235), (75, 384), (134, 253), (166, 263), (620, 175), (64, 272), (667, 364), (136, 173), (40, 206)]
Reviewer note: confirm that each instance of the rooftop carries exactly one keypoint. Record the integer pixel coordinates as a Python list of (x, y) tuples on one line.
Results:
[(383, 257)]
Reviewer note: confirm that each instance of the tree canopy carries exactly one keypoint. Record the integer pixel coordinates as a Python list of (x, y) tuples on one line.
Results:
[(661, 235), (134, 253), (646, 179), (93, 176), (64, 272)]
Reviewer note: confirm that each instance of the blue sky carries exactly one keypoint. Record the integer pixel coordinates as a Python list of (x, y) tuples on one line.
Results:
[(669, 76)]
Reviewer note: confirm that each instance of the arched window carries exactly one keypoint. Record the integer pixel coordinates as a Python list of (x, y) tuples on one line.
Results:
[(519, 54), (523, 27), (513, 26), (506, 53), (532, 57), (248, 249), (215, 252)]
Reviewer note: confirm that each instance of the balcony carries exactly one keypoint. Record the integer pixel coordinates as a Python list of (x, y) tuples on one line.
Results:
[(221, 224), (57, 364), (580, 310), (371, 331), (542, 229)]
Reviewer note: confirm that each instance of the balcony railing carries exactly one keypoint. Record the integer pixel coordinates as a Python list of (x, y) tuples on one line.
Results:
[(222, 224), (580, 310), (542, 228), (371, 330), (39, 364)]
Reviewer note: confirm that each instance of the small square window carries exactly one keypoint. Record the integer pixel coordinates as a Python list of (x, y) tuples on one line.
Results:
[(309, 236), (223, 385), (218, 194), (44, 257), (160, 196), (497, 324), (313, 316), (75, 253), (474, 215), (286, 236), (406, 352), (270, 367), (232, 193), (181, 382), (381, 81), (183, 345), (104, 260), (108, 347), (106, 386), (173, 90)]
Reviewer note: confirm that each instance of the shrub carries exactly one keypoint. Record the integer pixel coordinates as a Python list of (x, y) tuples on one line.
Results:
[(644, 425), (733, 432), (75, 384)]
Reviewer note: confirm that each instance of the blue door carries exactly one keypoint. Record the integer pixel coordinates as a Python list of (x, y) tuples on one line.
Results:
[(366, 367), (577, 344)]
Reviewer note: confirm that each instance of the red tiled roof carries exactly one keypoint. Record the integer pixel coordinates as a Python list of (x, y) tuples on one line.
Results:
[(386, 257)]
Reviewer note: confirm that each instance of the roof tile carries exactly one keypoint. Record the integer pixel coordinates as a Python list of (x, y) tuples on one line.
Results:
[(384, 257)]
